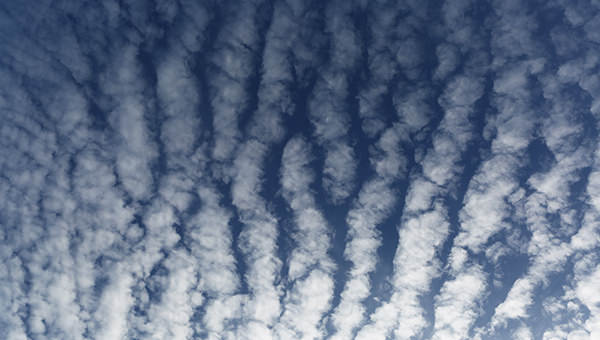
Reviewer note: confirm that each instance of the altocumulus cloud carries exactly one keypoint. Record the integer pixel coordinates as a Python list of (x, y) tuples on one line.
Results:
[(280, 169)]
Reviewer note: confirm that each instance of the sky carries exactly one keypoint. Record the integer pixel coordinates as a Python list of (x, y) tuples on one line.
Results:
[(300, 169)]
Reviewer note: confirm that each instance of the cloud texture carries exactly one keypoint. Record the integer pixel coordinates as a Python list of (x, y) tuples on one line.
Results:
[(306, 170)]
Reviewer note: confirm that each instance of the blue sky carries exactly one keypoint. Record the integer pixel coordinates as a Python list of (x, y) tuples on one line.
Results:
[(280, 169)]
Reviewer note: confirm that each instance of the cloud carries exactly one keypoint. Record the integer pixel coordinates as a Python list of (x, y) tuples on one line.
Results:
[(310, 267), (423, 229), (374, 202), (114, 306), (523, 333), (456, 305), (328, 106), (547, 251), (584, 291), (258, 240), (340, 169), (210, 241), (12, 296), (425, 225), (179, 98), (136, 151), (228, 170), (171, 318), (230, 72)]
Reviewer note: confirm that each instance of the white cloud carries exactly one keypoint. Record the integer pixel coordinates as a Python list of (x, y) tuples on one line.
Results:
[(448, 60), (548, 252), (305, 305), (456, 306), (422, 232), (339, 170), (310, 267), (116, 221), (258, 240), (374, 202), (12, 297), (585, 290), (218, 311), (393, 54), (231, 66), (516, 303), (523, 333), (171, 318), (114, 306), (179, 99), (328, 107), (136, 149), (210, 242)]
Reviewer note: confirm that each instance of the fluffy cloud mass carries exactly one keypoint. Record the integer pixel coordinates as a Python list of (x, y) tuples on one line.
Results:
[(300, 170)]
